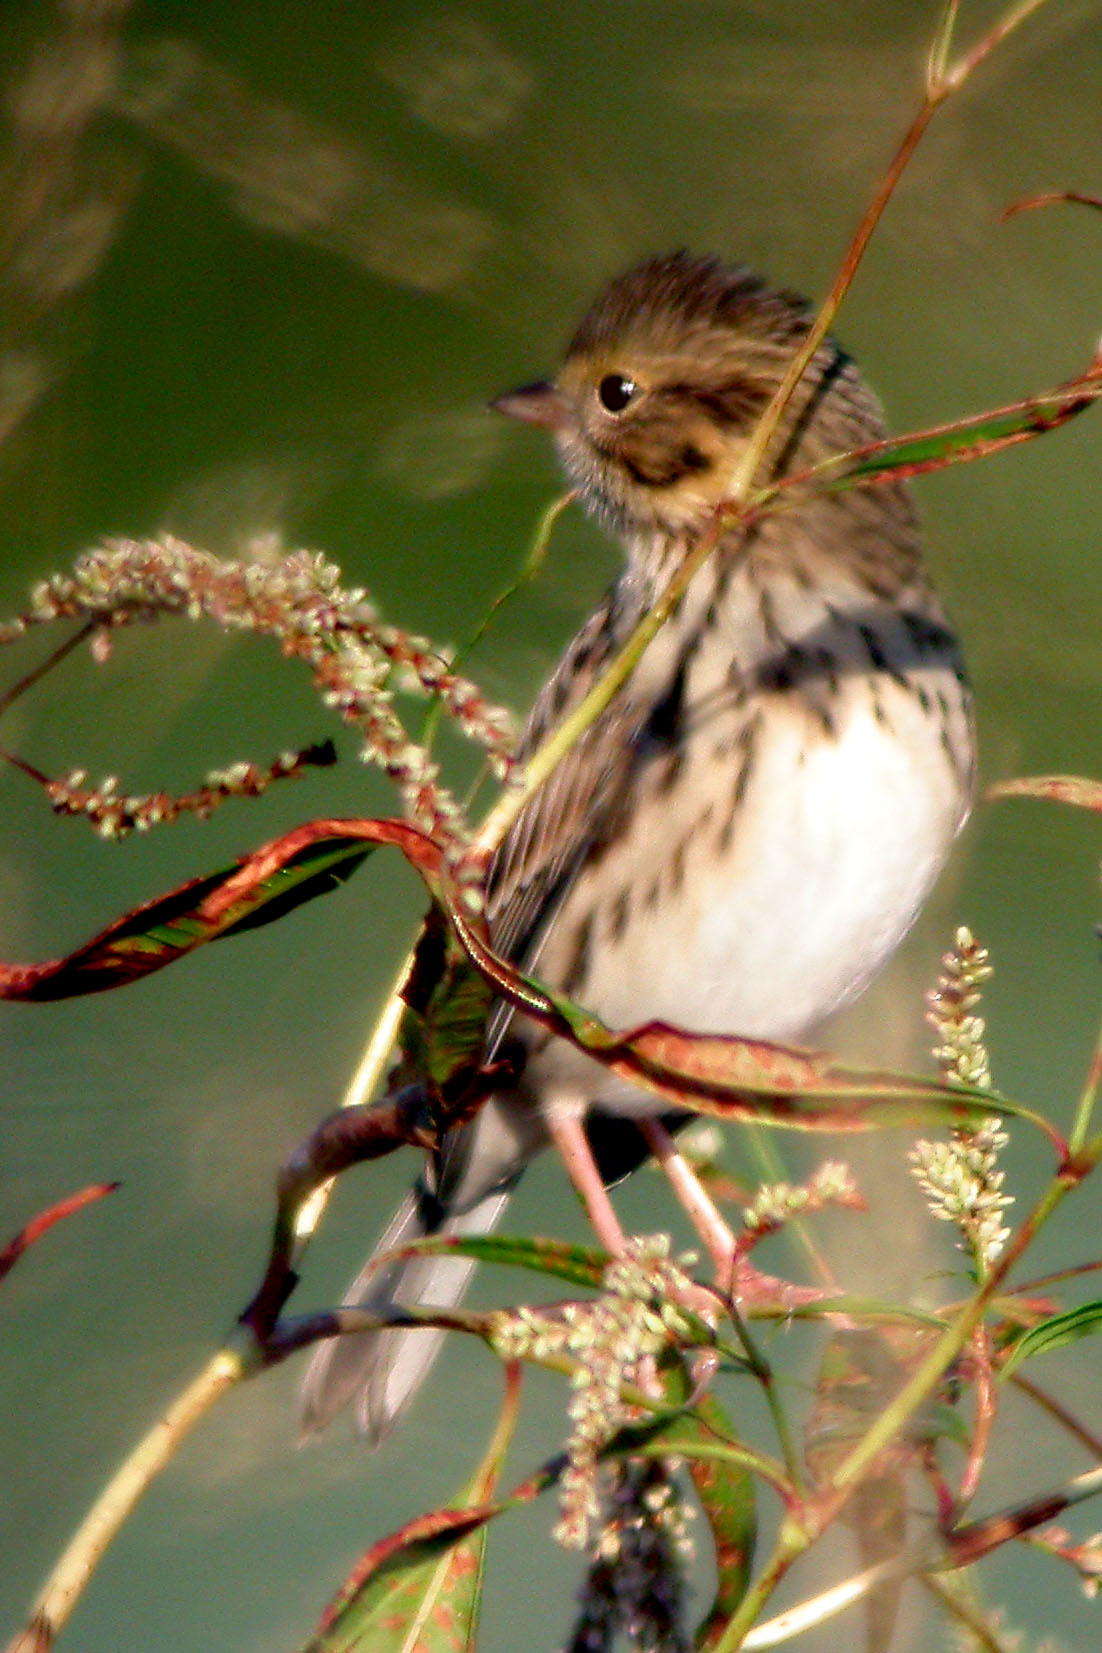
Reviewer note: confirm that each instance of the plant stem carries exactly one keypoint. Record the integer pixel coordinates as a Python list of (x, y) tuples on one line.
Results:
[(72, 1572), (986, 1391), (359, 1089), (766, 428), (941, 82), (952, 1599), (529, 568), (949, 1345), (53, 659), (763, 1371), (1067, 1420), (62, 1590), (547, 758), (800, 1530), (956, 76), (1089, 1095), (806, 1615)]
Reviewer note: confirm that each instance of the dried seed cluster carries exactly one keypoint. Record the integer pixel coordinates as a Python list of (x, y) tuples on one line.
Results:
[(613, 1340), (777, 1203), (358, 662), (115, 814), (961, 1177)]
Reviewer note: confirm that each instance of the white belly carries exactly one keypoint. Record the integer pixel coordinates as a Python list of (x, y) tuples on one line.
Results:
[(836, 842)]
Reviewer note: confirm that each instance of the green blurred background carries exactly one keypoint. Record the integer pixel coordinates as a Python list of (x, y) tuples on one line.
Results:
[(260, 267)]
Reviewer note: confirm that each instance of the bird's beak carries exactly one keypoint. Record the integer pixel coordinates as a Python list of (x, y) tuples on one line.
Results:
[(536, 404)]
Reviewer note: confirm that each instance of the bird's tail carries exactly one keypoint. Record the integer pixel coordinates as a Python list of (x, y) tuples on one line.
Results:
[(382, 1371), (476, 1172), (473, 1174)]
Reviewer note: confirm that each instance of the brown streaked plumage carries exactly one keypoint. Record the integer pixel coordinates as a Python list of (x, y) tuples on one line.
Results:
[(747, 831)]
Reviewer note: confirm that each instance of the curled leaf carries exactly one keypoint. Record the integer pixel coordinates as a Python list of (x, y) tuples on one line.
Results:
[(33, 1230), (730, 1077), (957, 442)]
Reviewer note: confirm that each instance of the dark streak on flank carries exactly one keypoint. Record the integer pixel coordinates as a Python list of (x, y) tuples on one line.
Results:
[(581, 945), (747, 744)]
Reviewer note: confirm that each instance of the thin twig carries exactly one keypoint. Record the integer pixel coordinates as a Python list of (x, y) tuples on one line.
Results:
[(1056, 1410), (118, 1499), (948, 1593), (942, 81), (54, 659), (546, 759)]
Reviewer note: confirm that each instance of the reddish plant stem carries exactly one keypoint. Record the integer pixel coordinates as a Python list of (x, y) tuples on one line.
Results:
[(32, 1231), (54, 659), (1056, 1410), (986, 1408)]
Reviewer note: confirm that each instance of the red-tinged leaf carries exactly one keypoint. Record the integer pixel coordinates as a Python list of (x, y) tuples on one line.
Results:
[(389, 1603), (1052, 197), (957, 442), (970, 1543), (419, 1590), (1061, 789), (32, 1231), (417, 847), (396, 1580), (729, 1500), (752, 1079), (733, 1078), (448, 1004), (205, 909), (730, 1077)]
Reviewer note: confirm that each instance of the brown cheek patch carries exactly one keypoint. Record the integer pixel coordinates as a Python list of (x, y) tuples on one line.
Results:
[(658, 460)]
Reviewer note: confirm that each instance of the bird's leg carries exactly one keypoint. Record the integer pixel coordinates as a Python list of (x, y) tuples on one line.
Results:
[(736, 1276), (716, 1235), (568, 1135)]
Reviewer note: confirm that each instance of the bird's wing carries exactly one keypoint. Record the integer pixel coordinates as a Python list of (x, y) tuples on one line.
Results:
[(560, 825), (574, 809)]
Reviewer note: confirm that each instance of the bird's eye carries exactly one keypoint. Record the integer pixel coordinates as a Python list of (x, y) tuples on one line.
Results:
[(615, 391)]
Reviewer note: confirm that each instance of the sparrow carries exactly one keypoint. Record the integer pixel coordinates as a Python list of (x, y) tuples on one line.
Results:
[(746, 833)]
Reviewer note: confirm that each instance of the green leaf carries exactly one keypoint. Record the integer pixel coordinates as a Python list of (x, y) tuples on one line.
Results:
[(960, 441), (1055, 1333), (945, 1423), (426, 1575), (173, 925), (421, 1588), (577, 1265), (448, 1004), (729, 1500)]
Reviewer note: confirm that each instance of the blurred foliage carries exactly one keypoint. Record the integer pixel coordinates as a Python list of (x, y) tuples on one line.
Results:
[(260, 268)]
